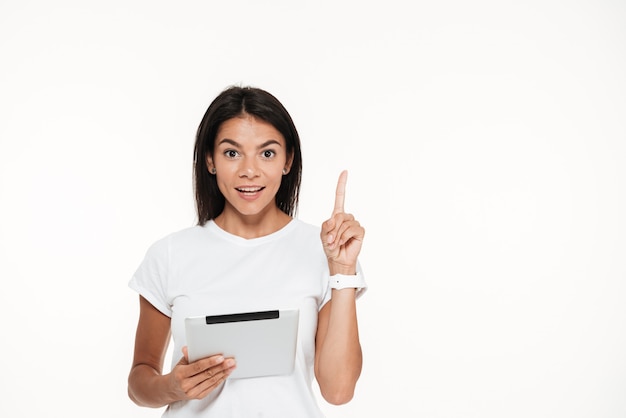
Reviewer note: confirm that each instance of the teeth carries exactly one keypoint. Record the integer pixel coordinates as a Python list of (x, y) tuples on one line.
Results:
[(249, 189)]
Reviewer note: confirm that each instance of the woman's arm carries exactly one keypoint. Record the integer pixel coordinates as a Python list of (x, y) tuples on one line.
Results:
[(338, 356), (148, 386)]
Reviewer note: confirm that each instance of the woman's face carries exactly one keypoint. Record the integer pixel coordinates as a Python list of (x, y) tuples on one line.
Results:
[(249, 157)]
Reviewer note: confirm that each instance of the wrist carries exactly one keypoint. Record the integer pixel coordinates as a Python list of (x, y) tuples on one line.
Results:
[(341, 269), (347, 281)]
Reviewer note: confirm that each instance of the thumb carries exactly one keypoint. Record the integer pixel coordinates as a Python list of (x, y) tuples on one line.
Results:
[(185, 358)]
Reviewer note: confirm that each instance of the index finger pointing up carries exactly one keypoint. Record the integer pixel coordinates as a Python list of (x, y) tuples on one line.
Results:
[(340, 194)]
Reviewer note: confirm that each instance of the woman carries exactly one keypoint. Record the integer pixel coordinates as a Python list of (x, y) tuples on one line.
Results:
[(249, 253)]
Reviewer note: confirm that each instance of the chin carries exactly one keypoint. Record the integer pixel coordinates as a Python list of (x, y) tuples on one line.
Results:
[(252, 211)]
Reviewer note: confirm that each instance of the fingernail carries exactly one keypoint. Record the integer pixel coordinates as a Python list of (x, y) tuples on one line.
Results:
[(229, 363)]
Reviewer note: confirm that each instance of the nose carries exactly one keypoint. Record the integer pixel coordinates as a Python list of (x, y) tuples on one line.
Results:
[(248, 168)]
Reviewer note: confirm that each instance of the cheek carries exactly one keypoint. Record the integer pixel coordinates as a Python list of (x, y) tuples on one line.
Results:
[(222, 184), (277, 180)]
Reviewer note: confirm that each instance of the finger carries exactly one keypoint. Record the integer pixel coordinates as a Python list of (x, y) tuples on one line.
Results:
[(210, 375), (200, 366), (340, 193), (211, 378), (201, 389), (349, 228), (227, 364), (209, 385)]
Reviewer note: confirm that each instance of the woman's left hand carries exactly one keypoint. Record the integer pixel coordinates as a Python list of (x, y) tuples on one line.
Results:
[(342, 235)]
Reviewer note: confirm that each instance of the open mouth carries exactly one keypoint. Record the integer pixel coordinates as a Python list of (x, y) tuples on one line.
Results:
[(249, 190)]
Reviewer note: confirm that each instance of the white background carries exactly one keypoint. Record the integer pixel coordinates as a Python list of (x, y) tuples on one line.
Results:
[(485, 142)]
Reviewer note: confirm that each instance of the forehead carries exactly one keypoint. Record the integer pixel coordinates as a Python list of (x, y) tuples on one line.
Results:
[(247, 128)]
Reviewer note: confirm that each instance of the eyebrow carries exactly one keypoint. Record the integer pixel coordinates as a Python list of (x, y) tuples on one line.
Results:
[(238, 145)]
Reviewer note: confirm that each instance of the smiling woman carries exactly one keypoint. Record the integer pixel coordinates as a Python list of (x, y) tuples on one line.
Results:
[(248, 254)]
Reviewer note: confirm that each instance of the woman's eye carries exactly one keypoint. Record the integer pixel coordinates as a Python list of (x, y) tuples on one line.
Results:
[(268, 154), (231, 154)]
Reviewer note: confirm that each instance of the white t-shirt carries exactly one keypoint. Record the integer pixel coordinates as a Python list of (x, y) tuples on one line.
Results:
[(208, 271)]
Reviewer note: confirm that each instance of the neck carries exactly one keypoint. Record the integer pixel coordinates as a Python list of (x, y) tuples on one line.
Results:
[(252, 226)]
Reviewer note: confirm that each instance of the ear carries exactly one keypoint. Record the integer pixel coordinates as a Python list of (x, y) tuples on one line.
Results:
[(209, 164), (288, 164)]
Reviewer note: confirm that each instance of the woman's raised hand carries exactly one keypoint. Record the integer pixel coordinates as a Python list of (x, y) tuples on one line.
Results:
[(342, 235)]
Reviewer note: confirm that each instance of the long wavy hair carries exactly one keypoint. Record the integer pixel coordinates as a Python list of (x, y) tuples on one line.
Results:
[(234, 102)]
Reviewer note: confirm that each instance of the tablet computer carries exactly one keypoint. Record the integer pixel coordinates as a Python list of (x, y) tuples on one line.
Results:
[(262, 343)]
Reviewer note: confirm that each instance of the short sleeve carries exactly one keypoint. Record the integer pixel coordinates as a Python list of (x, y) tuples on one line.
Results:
[(151, 278)]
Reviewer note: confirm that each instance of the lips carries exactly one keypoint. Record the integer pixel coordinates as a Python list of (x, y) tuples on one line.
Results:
[(249, 190)]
